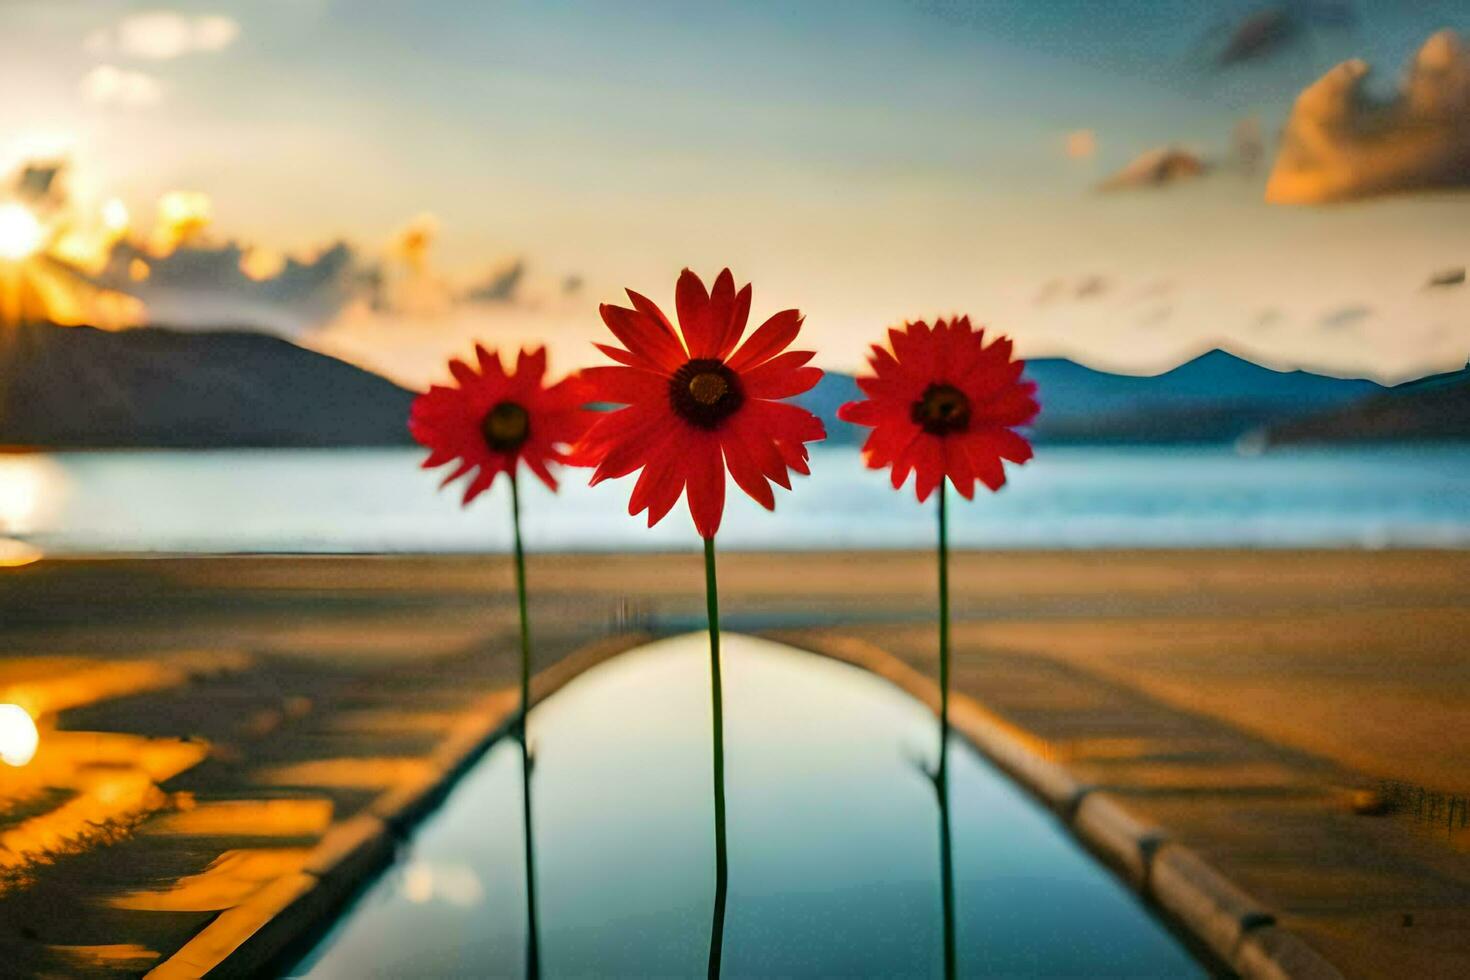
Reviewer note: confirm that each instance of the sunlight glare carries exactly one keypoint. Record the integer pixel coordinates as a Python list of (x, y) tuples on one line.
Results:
[(115, 216), (30, 489), (21, 234), (18, 736), (181, 215)]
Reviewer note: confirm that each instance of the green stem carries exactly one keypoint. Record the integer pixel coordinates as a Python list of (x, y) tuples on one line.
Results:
[(942, 778), (722, 868), (533, 939)]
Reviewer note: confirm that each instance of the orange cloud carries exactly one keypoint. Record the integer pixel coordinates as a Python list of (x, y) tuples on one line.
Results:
[(1339, 144), (1156, 168)]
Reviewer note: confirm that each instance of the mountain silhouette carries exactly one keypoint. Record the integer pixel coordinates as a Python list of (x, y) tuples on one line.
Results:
[(78, 387)]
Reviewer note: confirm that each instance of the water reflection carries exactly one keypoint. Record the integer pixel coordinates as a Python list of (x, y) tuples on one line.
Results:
[(533, 928), (455, 884), (832, 843)]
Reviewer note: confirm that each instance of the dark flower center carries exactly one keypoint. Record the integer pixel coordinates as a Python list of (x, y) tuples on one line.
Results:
[(506, 427), (942, 409), (704, 392)]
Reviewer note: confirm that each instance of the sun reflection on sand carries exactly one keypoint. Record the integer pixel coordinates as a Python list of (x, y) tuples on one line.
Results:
[(72, 790), (229, 880)]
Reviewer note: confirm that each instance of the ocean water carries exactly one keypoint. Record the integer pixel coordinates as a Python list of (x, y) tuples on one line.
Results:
[(1068, 497), (833, 843)]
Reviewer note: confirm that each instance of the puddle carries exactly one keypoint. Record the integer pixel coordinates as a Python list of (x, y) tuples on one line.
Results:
[(833, 843)]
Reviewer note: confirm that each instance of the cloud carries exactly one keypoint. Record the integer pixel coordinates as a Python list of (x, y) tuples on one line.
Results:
[(160, 35), (1081, 144), (108, 85), (41, 183), (1157, 168), (1259, 35), (208, 286), (502, 285), (1340, 144)]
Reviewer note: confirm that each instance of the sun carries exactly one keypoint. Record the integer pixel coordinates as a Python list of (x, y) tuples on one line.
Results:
[(21, 232), (18, 736)]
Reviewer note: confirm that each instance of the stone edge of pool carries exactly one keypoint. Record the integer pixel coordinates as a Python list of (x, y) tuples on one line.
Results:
[(1223, 922)]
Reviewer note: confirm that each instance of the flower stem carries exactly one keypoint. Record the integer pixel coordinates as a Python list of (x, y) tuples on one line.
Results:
[(722, 868), (533, 939), (942, 777)]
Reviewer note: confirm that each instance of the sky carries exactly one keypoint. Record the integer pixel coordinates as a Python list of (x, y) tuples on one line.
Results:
[(497, 169)]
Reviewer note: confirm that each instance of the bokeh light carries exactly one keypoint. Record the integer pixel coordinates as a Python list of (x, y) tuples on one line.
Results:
[(21, 232)]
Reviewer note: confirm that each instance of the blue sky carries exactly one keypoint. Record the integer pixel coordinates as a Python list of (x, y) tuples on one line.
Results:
[(863, 161)]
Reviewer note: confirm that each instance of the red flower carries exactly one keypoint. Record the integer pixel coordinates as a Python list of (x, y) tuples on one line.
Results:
[(697, 405), (941, 403), (494, 420)]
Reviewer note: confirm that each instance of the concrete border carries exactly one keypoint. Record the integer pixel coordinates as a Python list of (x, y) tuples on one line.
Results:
[(1230, 927), (250, 938)]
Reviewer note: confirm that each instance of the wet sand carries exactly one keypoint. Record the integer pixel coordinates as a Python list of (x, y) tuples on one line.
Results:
[(1236, 699)]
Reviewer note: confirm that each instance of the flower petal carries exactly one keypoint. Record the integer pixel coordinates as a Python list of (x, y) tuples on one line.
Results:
[(769, 339), (623, 385), (693, 305), (643, 336), (738, 319), (781, 377), (706, 483), (745, 469)]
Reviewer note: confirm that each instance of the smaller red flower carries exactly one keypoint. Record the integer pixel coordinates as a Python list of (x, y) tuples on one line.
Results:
[(493, 420), (942, 404)]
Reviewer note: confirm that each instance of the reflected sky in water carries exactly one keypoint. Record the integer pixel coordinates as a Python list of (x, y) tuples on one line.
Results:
[(379, 500), (833, 843)]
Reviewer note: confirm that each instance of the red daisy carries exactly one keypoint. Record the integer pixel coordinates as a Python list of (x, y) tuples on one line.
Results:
[(493, 420), (942, 404), (696, 404)]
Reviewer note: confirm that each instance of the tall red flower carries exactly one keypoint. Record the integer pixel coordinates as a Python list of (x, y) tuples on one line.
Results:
[(695, 404), (492, 420), (942, 403)]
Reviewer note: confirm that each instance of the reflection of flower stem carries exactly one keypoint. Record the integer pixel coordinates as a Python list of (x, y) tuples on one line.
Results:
[(722, 870), (533, 941), (942, 777)]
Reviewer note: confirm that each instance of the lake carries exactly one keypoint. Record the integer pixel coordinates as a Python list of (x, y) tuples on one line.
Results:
[(833, 843), (1069, 497)]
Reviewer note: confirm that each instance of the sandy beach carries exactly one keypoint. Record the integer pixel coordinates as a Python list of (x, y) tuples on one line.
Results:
[(1242, 701)]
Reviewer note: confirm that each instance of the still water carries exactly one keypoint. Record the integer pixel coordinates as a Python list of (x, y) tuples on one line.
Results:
[(833, 843), (1069, 497)]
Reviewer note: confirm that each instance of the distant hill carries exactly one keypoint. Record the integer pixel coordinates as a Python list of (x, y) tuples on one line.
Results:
[(1216, 397), (1433, 410), (85, 388)]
